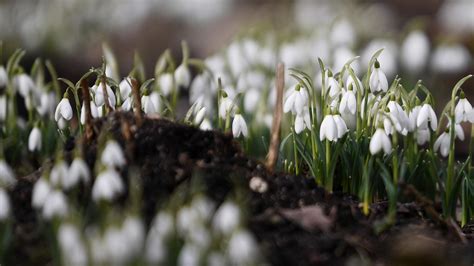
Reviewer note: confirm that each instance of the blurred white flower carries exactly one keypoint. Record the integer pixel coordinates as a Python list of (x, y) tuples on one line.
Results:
[(332, 87), (134, 233), (342, 33), (78, 171), (24, 84), (155, 98), (127, 104), (4, 205), (117, 246), (251, 99), (226, 106), (112, 155), (40, 192), (34, 140), (296, 101), (63, 110), (380, 141), (200, 115), (55, 205), (450, 58), (415, 51), (7, 177), (73, 250), (107, 186), (189, 255), (205, 125), (239, 126), (182, 76), (94, 112), (147, 105), (227, 218), (58, 174), (243, 249), (165, 83)]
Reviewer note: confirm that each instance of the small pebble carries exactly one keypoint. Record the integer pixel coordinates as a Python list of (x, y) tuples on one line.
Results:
[(259, 185)]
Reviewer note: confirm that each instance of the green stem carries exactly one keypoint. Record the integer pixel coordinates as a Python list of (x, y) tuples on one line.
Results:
[(395, 159), (366, 188), (328, 178), (295, 151)]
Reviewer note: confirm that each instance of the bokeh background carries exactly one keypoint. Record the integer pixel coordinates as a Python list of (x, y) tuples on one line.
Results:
[(71, 32)]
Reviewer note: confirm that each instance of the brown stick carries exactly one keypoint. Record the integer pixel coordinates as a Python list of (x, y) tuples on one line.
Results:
[(272, 155), (86, 98), (137, 104)]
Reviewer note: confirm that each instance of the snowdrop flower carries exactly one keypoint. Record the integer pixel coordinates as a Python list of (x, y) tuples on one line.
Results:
[(348, 103), (112, 155), (450, 58), (422, 136), (415, 51), (134, 232), (372, 104), (58, 174), (3, 77), (155, 250), (412, 117), (342, 34), (378, 81), (399, 117), (226, 106), (7, 177), (239, 126), (55, 205), (34, 140), (205, 125), (63, 110), (296, 101), (47, 103), (25, 84), (380, 141), (190, 255), (127, 104), (442, 144), (182, 75), (147, 105), (3, 108), (4, 205), (165, 82), (94, 112), (243, 249), (41, 191), (199, 117), (73, 250), (332, 86), (117, 246), (351, 84), (226, 218), (125, 88), (99, 96), (77, 171), (302, 121), (251, 99), (425, 116), (333, 127), (463, 111), (155, 98), (107, 185)]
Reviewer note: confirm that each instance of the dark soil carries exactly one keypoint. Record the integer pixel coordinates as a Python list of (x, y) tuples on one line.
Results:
[(169, 156)]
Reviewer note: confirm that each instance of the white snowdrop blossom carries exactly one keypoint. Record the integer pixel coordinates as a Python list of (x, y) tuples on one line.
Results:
[(134, 231), (463, 111), (332, 87), (125, 88), (63, 110), (147, 105), (296, 101), (7, 177), (78, 171), (378, 81), (200, 115), (55, 205), (442, 144), (415, 51), (399, 117), (380, 141), (425, 116), (302, 121), (332, 128), (117, 246), (351, 84), (24, 84), (251, 99), (226, 106), (94, 112), (182, 76), (3, 108), (107, 186), (243, 249), (412, 117), (348, 103), (73, 250), (112, 155), (205, 125), (165, 83), (226, 218), (239, 126), (41, 191), (59, 174), (422, 136), (99, 96), (189, 255), (34, 140), (4, 205), (127, 104)]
